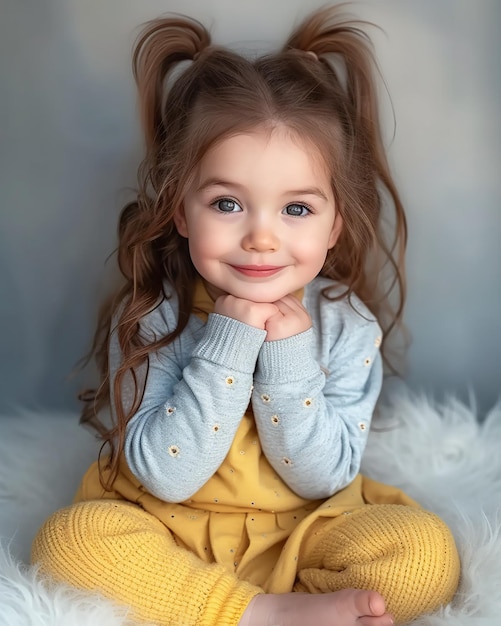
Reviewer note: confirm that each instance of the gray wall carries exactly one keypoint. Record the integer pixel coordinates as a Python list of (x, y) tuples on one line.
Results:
[(70, 145)]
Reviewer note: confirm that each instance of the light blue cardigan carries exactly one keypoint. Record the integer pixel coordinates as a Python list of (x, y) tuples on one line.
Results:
[(324, 384)]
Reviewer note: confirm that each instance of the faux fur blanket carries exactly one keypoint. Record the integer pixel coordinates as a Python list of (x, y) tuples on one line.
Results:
[(440, 454)]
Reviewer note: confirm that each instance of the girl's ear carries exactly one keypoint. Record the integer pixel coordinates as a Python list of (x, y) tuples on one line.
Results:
[(337, 227), (180, 221)]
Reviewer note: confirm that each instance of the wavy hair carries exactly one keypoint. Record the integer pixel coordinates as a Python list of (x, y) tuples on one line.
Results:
[(327, 97)]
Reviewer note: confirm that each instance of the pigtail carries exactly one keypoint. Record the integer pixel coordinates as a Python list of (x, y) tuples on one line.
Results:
[(374, 267), (326, 33), (161, 46)]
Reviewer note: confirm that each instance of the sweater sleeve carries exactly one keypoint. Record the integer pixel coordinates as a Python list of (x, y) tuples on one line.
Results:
[(191, 406), (313, 425)]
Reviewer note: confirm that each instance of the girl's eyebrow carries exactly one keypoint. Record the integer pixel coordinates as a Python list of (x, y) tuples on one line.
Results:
[(308, 191), (217, 182)]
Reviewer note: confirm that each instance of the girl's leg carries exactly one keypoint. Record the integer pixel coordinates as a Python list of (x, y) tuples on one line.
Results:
[(128, 555), (405, 553)]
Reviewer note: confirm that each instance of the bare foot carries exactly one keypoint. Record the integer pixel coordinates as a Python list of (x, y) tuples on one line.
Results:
[(349, 607)]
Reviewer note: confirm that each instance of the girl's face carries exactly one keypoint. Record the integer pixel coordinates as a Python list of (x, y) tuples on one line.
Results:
[(260, 216)]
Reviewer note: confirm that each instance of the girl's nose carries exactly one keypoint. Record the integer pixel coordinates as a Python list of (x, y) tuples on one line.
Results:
[(260, 239)]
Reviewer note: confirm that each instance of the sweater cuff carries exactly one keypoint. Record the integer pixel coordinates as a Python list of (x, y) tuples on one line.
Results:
[(228, 601), (286, 360), (228, 342)]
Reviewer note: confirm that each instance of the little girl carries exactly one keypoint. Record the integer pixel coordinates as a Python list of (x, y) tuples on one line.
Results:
[(241, 357)]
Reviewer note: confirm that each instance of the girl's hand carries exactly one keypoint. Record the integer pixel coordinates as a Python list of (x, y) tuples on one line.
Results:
[(290, 319), (252, 313)]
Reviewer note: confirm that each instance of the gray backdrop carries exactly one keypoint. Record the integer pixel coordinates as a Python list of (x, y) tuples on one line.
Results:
[(70, 145)]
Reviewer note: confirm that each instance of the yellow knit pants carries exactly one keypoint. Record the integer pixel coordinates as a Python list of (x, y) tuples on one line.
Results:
[(117, 548)]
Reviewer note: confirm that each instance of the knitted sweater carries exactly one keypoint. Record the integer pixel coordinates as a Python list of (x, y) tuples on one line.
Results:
[(312, 396)]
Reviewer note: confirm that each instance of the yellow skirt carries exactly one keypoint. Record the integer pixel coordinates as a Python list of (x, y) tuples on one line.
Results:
[(260, 547)]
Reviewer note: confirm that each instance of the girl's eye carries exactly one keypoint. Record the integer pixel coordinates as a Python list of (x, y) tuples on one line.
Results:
[(296, 210), (225, 205)]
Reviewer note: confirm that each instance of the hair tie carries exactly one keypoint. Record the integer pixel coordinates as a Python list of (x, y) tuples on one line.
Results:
[(311, 54)]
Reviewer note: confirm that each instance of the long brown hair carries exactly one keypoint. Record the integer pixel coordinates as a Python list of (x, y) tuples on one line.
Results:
[(327, 97)]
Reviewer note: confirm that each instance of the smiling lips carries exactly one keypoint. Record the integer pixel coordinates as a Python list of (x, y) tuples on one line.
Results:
[(257, 271)]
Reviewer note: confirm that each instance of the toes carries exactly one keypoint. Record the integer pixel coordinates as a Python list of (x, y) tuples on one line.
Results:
[(368, 603), (376, 604)]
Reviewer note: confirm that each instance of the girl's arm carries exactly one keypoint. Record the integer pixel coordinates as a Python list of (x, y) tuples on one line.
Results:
[(196, 392), (313, 426)]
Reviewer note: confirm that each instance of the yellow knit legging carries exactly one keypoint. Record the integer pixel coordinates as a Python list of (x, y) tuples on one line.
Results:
[(405, 553)]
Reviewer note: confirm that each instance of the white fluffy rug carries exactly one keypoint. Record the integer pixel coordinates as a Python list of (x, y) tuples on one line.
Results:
[(439, 454)]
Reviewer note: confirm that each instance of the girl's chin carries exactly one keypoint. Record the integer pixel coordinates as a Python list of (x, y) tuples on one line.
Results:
[(260, 297), (254, 293)]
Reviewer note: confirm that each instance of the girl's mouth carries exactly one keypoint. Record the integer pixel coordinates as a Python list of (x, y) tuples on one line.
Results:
[(257, 271)]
